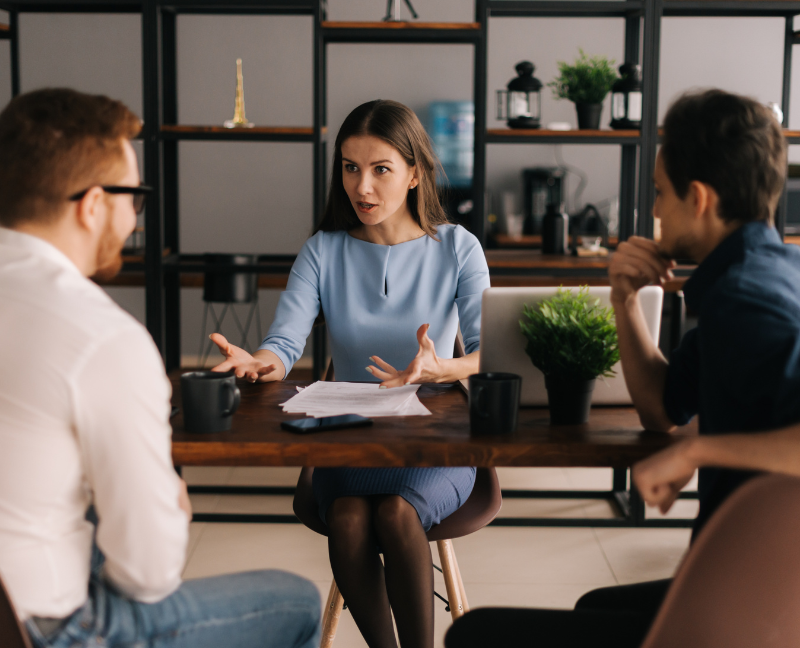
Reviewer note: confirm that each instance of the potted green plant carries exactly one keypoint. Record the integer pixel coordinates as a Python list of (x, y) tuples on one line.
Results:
[(586, 83), (572, 341)]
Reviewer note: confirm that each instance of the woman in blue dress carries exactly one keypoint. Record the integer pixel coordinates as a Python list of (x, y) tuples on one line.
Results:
[(383, 264)]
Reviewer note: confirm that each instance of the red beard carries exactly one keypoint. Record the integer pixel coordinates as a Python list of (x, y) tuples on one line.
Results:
[(109, 254)]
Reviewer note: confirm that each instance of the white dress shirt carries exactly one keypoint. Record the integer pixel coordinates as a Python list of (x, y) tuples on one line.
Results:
[(84, 418)]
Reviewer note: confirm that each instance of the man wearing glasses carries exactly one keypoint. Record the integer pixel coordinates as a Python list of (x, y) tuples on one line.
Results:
[(84, 411)]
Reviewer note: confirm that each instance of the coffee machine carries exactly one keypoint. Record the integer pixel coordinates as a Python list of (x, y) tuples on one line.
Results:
[(541, 186)]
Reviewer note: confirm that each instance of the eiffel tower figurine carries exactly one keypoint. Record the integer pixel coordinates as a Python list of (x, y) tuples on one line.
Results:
[(391, 8), (239, 120)]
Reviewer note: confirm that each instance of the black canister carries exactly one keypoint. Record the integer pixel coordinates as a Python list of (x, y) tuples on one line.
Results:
[(555, 230)]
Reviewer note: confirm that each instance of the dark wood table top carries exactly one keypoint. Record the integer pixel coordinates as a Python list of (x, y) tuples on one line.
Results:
[(613, 437)]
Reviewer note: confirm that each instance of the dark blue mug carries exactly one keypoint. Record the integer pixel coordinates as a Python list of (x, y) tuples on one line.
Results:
[(493, 403), (209, 400)]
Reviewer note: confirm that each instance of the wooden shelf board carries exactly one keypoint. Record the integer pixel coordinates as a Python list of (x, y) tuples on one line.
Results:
[(263, 130), (4, 27), (390, 25), (535, 260), (543, 133)]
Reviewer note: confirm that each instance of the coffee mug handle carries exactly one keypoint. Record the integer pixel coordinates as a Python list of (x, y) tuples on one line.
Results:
[(236, 397), (480, 401)]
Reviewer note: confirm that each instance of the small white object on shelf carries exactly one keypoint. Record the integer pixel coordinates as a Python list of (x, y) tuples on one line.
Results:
[(559, 126)]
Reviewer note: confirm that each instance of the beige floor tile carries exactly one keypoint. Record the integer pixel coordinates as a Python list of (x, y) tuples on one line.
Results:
[(532, 478), (533, 595), (600, 508), (680, 509), (637, 555), (226, 548), (550, 508), (589, 478), (265, 504), (202, 503), (532, 555), (256, 476), (206, 475)]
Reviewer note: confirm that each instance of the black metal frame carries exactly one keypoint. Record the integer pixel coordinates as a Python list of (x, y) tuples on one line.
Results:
[(628, 505)]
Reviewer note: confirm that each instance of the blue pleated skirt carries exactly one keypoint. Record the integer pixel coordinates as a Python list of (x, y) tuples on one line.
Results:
[(434, 493)]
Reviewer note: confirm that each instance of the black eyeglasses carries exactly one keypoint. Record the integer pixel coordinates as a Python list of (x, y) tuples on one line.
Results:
[(139, 194)]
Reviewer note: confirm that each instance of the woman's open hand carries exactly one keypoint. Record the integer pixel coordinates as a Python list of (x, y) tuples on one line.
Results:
[(425, 367), (242, 363)]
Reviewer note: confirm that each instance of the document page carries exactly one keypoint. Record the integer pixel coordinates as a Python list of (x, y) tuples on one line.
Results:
[(366, 399)]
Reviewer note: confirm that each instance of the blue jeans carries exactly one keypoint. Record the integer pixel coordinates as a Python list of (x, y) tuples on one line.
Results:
[(259, 608)]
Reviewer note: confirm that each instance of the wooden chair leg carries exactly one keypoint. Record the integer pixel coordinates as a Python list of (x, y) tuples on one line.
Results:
[(331, 615), (464, 601), (451, 577)]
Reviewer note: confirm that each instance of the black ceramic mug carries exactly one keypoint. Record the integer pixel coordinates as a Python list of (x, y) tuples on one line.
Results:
[(493, 403), (209, 400)]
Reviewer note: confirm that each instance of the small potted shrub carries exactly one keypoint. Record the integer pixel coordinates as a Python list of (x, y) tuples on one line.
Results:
[(572, 341), (586, 83)]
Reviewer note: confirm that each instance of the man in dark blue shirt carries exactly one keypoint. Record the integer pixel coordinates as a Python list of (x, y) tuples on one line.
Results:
[(718, 178)]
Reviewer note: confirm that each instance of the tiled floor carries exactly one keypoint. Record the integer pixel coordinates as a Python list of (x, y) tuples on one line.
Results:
[(544, 567)]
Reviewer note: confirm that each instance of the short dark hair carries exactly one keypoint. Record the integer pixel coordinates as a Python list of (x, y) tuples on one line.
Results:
[(397, 125), (54, 143), (730, 142)]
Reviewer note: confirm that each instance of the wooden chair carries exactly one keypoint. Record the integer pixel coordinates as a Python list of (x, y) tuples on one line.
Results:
[(12, 633), (739, 585), (481, 507)]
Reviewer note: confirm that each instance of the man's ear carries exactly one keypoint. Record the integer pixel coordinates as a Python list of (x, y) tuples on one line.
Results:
[(90, 208), (704, 199)]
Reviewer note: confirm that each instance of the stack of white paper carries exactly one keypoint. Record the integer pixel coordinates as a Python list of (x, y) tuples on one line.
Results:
[(334, 398)]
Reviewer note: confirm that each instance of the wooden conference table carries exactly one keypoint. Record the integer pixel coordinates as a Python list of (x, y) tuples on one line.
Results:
[(612, 438)]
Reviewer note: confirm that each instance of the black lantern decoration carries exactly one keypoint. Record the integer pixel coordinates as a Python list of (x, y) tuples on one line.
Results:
[(521, 103), (626, 98)]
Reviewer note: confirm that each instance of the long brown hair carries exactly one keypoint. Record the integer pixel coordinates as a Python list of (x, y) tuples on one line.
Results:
[(397, 125)]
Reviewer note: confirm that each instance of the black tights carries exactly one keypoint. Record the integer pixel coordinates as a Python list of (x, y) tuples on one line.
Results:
[(357, 526)]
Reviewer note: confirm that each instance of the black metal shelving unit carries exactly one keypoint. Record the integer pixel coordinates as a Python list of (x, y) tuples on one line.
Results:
[(164, 263)]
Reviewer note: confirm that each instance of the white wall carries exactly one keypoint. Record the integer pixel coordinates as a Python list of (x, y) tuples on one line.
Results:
[(256, 197)]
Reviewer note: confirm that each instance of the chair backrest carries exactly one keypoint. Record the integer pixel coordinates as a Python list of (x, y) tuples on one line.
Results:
[(739, 585), (12, 632)]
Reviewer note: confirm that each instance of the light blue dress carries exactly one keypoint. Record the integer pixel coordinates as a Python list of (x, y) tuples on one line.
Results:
[(375, 297)]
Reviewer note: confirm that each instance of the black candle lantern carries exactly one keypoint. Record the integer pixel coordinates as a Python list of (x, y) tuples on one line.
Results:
[(626, 98), (521, 103)]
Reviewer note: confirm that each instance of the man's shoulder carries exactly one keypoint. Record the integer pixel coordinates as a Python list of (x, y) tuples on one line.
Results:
[(769, 280), (57, 304)]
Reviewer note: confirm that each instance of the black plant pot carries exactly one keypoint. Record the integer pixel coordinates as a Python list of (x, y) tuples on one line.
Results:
[(569, 400), (230, 287), (589, 115)]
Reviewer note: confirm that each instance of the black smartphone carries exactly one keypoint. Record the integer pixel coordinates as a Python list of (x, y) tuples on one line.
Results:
[(306, 425)]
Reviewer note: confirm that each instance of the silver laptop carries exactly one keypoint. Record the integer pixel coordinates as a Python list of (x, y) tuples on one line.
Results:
[(503, 345)]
